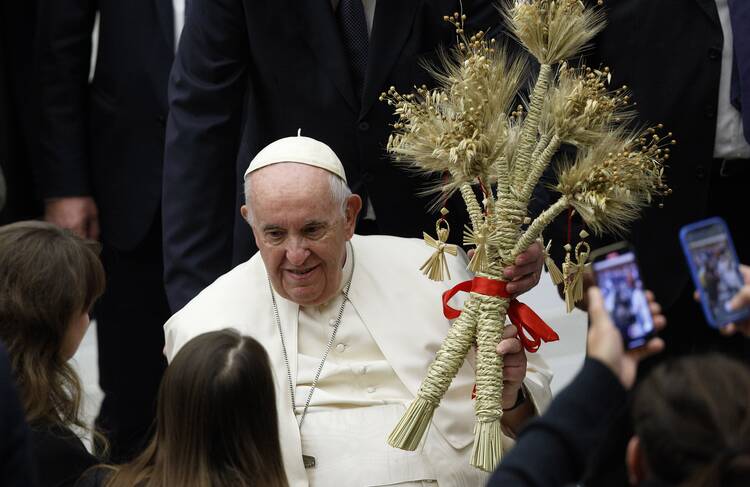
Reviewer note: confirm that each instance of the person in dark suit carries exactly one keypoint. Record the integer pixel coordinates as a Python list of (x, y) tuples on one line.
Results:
[(679, 69), (18, 110), (248, 73), (102, 146), (15, 451)]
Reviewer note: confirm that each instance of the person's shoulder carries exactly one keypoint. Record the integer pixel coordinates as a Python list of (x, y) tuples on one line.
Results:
[(228, 290), (59, 455), (94, 477)]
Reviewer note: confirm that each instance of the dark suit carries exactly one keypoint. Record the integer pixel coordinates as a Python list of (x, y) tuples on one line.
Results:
[(250, 72), (105, 139), (15, 445), (18, 108), (669, 54)]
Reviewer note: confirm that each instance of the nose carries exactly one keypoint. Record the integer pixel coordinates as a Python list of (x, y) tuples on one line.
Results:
[(297, 252)]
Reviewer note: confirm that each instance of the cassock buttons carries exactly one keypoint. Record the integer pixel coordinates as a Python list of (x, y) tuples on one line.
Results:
[(340, 348), (332, 322), (362, 369)]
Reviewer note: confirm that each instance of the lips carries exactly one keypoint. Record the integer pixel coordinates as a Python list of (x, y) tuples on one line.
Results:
[(300, 274)]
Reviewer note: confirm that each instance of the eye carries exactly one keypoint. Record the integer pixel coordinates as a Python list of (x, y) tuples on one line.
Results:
[(274, 236), (314, 232)]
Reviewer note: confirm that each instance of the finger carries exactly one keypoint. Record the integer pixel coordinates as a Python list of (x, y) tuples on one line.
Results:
[(522, 285), (510, 331), (741, 299), (660, 322), (696, 295), (655, 308), (509, 346), (515, 361), (728, 330), (745, 271), (597, 313), (653, 346)]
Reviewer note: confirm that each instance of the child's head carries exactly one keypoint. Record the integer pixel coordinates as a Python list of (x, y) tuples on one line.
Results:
[(216, 419), (692, 423), (49, 279)]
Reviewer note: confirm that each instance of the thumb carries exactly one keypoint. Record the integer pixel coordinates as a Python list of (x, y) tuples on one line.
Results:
[(597, 313), (741, 299)]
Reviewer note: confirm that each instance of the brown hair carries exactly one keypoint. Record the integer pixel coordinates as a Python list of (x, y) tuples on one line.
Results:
[(692, 416), (47, 277), (216, 421)]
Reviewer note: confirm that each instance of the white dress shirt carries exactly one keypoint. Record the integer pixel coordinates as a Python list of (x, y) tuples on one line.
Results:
[(730, 141), (179, 20)]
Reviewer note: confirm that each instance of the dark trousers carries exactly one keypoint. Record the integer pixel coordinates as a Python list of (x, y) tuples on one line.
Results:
[(130, 316)]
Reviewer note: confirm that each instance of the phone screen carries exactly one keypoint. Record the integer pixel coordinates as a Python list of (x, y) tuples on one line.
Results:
[(715, 268), (619, 279)]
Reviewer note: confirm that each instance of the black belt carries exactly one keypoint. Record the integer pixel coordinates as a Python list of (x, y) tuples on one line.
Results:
[(726, 168)]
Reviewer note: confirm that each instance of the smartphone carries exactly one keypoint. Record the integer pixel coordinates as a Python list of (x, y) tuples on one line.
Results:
[(715, 269), (619, 278)]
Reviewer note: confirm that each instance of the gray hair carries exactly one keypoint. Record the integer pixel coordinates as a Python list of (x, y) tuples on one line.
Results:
[(340, 194)]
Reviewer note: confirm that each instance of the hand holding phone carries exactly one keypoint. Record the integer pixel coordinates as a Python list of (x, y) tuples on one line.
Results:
[(715, 270), (618, 276)]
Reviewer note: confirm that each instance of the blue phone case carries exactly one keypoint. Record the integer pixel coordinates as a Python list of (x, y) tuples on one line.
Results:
[(694, 271)]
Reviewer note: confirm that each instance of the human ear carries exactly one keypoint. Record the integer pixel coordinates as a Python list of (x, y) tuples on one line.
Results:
[(635, 462), (353, 207)]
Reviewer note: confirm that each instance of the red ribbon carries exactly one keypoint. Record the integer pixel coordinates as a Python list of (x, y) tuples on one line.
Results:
[(532, 330)]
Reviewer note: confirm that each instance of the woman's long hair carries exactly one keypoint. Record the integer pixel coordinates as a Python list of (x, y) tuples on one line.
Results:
[(692, 416), (216, 420), (48, 276)]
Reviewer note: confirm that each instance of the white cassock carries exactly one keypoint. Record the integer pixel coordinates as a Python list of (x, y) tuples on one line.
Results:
[(389, 333)]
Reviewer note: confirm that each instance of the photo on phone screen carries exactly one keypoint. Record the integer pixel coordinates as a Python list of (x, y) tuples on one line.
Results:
[(713, 262), (619, 279)]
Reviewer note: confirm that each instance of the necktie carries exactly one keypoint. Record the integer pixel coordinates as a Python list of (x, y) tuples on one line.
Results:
[(351, 17), (739, 93)]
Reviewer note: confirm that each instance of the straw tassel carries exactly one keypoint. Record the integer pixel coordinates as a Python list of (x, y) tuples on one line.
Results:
[(554, 271), (573, 272), (481, 240), (436, 268)]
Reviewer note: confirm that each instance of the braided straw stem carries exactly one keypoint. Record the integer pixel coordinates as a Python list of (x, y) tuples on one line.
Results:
[(409, 431), (538, 225), (531, 123), (472, 205), (538, 165), (487, 450)]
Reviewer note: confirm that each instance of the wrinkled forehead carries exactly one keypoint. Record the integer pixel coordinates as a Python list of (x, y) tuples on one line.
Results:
[(290, 192)]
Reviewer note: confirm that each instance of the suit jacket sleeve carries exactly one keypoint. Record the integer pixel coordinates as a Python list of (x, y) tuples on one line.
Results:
[(64, 59), (553, 450), (207, 90)]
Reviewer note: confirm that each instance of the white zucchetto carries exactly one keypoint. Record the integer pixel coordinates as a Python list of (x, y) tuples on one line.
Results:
[(299, 149)]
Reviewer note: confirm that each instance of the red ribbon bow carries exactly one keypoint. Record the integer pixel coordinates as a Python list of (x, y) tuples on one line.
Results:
[(532, 330)]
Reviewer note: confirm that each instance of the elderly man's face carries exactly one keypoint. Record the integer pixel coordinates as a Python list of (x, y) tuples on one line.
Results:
[(300, 231)]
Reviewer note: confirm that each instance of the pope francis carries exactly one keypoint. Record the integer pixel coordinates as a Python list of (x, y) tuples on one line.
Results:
[(351, 326)]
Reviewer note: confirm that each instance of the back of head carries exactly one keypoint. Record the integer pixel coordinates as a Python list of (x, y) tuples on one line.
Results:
[(48, 276), (216, 419), (692, 416)]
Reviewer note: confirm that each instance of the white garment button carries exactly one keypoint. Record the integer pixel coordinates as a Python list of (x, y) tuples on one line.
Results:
[(340, 347), (362, 370), (332, 322), (370, 389)]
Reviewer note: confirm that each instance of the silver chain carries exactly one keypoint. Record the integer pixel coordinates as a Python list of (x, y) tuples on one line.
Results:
[(328, 348)]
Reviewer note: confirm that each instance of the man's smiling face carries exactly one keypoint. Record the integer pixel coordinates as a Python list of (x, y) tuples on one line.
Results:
[(301, 232)]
